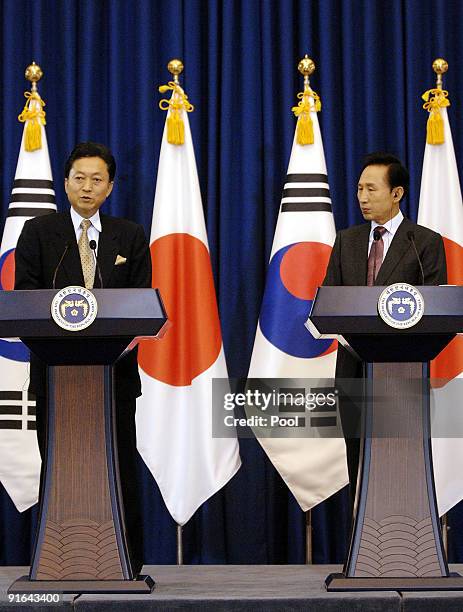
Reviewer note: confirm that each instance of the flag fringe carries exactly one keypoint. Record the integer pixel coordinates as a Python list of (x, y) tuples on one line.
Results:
[(33, 116), (304, 129), (176, 105)]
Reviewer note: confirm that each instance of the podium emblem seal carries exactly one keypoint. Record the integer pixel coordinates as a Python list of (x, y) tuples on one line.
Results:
[(74, 308), (401, 305)]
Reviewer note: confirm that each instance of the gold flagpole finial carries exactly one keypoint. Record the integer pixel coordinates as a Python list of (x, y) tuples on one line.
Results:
[(176, 105), (434, 100), (33, 114), (309, 102), (440, 67), (175, 67), (33, 74), (306, 67)]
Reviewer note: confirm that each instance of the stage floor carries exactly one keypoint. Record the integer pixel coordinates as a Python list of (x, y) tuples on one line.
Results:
[(263, 588)]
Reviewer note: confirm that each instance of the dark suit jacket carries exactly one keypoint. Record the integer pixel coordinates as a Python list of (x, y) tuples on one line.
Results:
[(349, 260), (39, 249)]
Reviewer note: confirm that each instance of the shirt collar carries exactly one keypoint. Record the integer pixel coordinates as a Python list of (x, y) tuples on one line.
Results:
[(77, 219), (391, 226)]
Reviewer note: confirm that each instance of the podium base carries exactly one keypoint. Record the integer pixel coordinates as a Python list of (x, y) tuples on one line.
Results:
[(143, 584), (340, 582)]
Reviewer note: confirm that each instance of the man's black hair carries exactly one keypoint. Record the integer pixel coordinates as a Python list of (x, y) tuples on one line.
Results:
[(397, 174), (91, 149)]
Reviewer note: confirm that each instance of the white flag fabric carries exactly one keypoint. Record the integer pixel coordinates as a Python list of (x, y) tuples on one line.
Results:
[(441, 209), (174, 414), (312, 468), (32, 195)]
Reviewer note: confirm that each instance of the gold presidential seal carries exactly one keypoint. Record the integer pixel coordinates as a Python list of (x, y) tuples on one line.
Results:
[(401, 305), (74, 308)]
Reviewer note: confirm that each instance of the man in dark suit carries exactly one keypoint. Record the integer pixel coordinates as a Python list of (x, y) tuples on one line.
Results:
[(54, 251), (380, 252)]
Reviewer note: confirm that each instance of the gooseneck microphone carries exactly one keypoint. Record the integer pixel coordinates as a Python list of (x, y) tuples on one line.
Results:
[(411, 237), (66, 248), (92, 245)]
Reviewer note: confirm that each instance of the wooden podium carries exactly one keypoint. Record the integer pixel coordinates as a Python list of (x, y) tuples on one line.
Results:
[(81, 544), (396, 541)]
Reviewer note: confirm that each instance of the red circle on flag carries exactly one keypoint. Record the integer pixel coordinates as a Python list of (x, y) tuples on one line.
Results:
[(454, 258), (448, 364), (303, 268), (7, 272), (182, 272)]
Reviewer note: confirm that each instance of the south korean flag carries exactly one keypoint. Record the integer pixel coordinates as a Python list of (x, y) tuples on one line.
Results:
[(32, 195)]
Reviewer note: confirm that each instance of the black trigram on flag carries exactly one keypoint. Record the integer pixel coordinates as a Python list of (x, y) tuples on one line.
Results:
[(327, 419), (320, 416), (17, 410), (31, 198), (306, 193), (325, 415)]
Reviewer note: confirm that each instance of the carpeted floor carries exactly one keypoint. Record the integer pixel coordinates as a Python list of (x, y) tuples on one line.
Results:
[(237, 588)]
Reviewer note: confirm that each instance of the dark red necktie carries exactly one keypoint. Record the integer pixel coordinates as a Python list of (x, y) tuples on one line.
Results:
[(375, 258)]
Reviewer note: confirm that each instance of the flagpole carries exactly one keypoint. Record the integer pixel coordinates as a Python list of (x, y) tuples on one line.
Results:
[(440, 67), (308, 538), (306, 67), (179, 545), (175, 67), (445, 533)]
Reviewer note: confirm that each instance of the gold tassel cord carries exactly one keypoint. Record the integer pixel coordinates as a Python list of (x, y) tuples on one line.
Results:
[(34, 117), (177, 104), (309, 102), (435, 99)]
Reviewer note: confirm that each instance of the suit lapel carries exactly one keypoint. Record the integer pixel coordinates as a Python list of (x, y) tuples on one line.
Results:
[(108, 245), (395, 253), (65, 234), (359, 254)]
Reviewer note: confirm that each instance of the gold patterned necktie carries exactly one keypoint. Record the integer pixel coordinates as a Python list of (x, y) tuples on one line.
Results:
[(87, 258)]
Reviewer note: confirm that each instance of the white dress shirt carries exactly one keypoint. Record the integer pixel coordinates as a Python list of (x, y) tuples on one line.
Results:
[(391, 227), (93, 231)]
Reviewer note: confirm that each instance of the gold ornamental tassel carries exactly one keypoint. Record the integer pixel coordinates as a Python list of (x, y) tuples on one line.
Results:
[(304, 130), (309, 102), (435, 129), (435, 99), (33, 114), (176, 105), (175, 127)]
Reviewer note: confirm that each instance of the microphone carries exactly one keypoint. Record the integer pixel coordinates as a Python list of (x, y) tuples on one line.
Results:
[(376, 235), (66, 248), (411, 237), (92, 245)]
